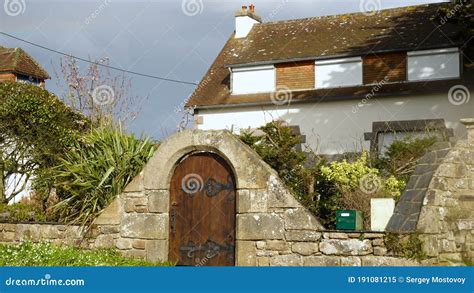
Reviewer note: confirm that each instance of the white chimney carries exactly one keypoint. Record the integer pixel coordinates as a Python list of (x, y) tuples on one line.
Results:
[(244, 21)]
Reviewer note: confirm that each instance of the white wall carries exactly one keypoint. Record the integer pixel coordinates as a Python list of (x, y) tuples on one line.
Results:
[(256, 79), (433, 64), (243, 25), (339, 126), (13, 183), (338, 72)]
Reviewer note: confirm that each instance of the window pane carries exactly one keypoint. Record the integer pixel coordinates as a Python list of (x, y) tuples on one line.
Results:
[(432, 65), (339, 73), (248, 81)]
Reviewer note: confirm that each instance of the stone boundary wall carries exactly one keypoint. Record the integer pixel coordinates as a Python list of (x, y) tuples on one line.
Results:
[(446, 223), (438, 203), (56, 233), (300, 248), (408, 209), (320, 248)]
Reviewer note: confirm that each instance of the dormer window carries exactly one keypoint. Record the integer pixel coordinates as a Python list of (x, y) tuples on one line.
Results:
[(338, 72), (27, 79), (433, 64), (253, 79)]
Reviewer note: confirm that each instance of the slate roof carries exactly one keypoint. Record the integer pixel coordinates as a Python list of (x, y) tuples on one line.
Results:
[(18, 61), (356, 34)]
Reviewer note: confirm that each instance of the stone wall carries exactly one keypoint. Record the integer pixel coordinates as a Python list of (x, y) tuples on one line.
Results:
[(57, 233), (439, 203), (298, 248), (320, 248), (408, 209)]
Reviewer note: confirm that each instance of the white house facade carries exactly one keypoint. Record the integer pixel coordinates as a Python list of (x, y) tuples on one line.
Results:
[(347, 82)]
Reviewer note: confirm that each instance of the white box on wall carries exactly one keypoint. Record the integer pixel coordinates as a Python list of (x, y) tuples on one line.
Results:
[(381, 210)]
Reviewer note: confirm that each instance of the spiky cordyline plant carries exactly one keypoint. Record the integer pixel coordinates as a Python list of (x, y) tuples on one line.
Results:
[(96, 170)]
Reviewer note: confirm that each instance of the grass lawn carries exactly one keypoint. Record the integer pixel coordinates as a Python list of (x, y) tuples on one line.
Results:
[(47, 254)]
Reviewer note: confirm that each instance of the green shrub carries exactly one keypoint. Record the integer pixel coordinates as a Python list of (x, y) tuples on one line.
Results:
[(402, 156), (47, 254), (95, 170), (408, 246), (277, 147), (351, 185), (20, 212), (350, 176), (35, 129), (324, 189)]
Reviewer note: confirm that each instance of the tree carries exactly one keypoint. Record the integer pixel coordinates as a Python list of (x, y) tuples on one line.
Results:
[(35, 129), (102, 97), (461, 12)]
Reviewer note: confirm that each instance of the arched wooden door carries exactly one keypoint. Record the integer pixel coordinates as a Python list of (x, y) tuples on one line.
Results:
[(202, 212)]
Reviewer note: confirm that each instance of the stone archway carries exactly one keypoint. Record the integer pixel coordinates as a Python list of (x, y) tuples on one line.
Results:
[(265, 209)]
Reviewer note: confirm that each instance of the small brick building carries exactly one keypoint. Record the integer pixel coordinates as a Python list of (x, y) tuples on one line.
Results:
[(18, 66)]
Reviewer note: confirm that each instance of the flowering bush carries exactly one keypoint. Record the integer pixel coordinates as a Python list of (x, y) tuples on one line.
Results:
[(359, 175), (351, 185)]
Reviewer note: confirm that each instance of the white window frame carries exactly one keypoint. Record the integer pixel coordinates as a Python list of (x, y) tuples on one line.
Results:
[(252, 69), (357, 59), (413, 54)]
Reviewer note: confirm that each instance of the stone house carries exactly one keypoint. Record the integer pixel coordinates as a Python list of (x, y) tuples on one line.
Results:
[(348, 82)]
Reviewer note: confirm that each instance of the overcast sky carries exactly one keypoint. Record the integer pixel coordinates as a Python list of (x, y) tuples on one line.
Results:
[(169, 38)]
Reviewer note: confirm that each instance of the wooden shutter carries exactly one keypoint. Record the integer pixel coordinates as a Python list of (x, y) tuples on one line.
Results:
[(390, 65), (295, 75)]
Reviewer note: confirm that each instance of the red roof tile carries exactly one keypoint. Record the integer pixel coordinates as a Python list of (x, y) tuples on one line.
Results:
[(18, 61)]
